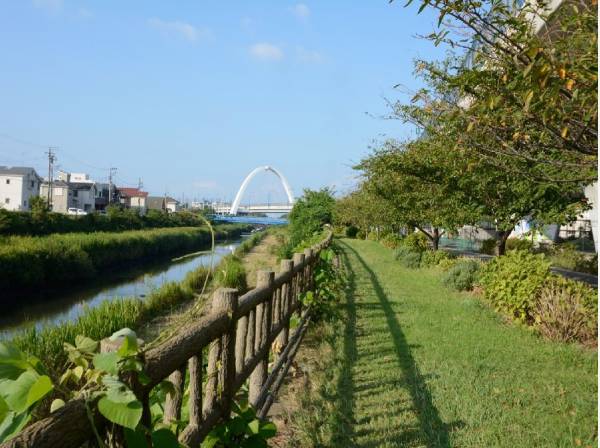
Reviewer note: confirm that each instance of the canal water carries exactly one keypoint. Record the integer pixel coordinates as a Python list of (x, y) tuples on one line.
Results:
[(52, 307)]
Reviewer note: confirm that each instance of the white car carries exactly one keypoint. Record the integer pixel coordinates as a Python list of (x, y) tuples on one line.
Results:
[(76, 211)]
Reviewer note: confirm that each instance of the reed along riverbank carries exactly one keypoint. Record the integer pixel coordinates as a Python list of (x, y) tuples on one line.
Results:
[(33, 262)]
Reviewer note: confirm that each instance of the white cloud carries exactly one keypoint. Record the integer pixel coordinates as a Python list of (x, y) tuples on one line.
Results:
[(181, 29), (50, 5), (266, 51), (309, 56), (301, 11)]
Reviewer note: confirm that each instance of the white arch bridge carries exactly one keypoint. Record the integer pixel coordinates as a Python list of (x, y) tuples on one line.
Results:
[(236, 207)]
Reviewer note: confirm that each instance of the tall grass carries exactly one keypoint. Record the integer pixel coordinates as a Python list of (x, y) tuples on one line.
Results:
[(231, 274), (28, 262)]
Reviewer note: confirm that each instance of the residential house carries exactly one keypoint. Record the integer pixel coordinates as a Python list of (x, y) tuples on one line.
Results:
[(66, 195), (163, 203), (133, 198), (18, 184), (81, 192)]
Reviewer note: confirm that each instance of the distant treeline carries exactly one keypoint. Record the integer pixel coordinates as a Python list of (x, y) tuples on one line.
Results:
[(38, 261), (42, 222)]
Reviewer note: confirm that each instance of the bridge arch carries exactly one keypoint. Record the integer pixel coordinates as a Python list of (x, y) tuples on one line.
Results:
[(238, 197)]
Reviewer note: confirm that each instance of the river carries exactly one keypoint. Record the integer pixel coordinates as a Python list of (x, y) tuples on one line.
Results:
[(52, 307)]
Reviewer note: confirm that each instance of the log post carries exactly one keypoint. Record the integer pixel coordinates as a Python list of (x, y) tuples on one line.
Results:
[(226, 299), (298, 279), (221, 363), (263, 314), (240, 344), (175, 399), (308, 256), (284, 304)]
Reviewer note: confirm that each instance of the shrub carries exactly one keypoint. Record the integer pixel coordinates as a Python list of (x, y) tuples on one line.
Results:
[(231, 274), (463, 275), (196, 279), (512, 282), (351, 231), (416, 242), (391, 241), (408, 258), (447, 263), (488, 246), (519, 244), (567, 311), (434, 258), (373, 236), (361, 235)]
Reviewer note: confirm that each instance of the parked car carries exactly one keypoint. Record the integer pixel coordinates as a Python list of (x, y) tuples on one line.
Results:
[(76, 211)]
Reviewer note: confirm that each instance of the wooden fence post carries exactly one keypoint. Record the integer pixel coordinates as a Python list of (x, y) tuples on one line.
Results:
[(298, 279), (308, 253), (221, 362), (262, 319), (285, 305), (175, 399)]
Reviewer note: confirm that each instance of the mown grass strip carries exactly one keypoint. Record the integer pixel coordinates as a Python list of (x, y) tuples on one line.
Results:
[(414, 364)]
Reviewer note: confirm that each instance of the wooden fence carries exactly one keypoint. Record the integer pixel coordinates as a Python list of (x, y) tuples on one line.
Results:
[(240, 333)]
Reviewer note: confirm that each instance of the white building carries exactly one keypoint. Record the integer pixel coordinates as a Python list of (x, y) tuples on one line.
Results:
[(18, 184)]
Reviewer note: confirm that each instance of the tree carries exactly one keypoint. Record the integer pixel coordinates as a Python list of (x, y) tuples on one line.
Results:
[(413, 178), (310, 213), (366, 210), (524, 89)]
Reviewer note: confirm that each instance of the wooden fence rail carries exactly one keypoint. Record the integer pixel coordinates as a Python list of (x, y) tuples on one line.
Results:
[(240, 332)]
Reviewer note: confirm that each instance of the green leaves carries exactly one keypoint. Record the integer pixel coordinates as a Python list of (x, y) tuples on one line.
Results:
[(22, 386), (123, 413)]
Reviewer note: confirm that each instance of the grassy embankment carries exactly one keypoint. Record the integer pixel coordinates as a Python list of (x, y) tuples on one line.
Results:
[(112, 315), (34, 262), (411, 363)]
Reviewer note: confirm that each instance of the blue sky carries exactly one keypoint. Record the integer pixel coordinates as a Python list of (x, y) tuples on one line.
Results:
[(190, 96)]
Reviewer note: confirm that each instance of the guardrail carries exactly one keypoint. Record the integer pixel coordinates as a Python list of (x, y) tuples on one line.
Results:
[(240, 332)]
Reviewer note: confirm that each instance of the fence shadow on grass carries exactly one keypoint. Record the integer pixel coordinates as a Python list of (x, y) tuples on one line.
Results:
[(433, 431)]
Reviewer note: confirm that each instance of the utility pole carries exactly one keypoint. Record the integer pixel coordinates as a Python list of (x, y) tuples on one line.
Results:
[(140, 184), (111, 172), (51, 160)]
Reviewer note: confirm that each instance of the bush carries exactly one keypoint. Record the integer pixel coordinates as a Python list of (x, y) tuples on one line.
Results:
[(416, 242), (408, 258), (373, 236), (391, 241), (447, 263), (513, 281), (351, 231), (434, 258), (463, 275), (519, 244), (488, 246), (567, 311), (361, 235)]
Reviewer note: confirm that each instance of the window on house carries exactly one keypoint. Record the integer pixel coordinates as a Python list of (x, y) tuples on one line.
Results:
[(7, 181), (7, 200), (32, 184), (25, 203), (75, 193)]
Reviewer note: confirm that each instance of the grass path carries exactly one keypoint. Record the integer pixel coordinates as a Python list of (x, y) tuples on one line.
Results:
[(413, 364)]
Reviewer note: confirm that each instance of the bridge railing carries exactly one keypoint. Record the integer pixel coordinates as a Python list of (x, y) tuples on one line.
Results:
[(237, 337)]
